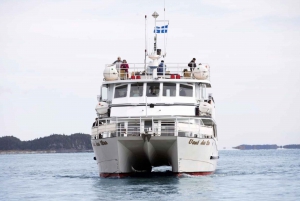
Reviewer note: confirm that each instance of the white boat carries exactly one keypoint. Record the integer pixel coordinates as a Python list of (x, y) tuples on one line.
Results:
[(148, 119)]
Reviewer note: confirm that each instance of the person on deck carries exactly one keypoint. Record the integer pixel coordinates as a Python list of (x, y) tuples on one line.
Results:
[(118, 62), (124, 66), (192, 64), (161, 68), (95, 123)]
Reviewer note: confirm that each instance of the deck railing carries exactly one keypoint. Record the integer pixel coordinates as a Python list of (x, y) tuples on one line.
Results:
[(182, 127), (172, 71)]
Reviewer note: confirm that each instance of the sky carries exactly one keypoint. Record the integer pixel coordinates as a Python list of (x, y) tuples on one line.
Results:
[(52, 56)]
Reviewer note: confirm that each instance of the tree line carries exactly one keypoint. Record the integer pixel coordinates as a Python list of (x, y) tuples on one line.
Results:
[(76, 142)]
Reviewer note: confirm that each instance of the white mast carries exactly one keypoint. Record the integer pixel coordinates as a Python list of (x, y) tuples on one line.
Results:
[(165, 29), (145, 42), (154, 64), (155, 15)]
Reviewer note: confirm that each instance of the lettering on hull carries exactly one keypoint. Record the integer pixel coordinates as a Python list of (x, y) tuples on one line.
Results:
[(196, 142), (100, 143)]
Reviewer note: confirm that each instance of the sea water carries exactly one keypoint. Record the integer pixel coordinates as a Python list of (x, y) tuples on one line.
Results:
[(241, 175)]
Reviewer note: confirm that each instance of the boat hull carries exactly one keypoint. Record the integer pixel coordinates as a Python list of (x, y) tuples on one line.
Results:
[(136, 155)]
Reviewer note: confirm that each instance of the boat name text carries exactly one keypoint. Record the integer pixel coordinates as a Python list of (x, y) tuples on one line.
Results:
[(100, 143), (194, 142)]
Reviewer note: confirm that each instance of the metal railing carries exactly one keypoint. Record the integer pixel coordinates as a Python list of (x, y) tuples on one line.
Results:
[(172, 71), (182, 127)]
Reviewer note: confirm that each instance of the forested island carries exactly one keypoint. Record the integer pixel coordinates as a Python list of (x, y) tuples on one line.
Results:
[(54, 143), (267, 146)]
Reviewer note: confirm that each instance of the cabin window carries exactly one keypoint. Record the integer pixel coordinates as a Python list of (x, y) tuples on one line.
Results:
[(121, 91), (169, 89), (152, 89), (203, 91), (136, 90), (186, 90), (103, 95)]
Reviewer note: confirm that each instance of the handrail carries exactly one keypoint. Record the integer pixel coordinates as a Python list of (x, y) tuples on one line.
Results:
[(182, 127), (155, 118), (173, 71)]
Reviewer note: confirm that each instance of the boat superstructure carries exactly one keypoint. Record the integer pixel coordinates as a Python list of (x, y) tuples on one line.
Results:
[(148, 119)]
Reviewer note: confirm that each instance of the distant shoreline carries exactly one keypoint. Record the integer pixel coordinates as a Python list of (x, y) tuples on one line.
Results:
[(266, 146), (42, 151), (55, 143)]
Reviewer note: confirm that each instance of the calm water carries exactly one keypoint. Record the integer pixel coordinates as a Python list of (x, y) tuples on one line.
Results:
[(241, 175)]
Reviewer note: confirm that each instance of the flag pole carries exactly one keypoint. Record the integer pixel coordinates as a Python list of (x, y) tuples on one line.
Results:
[(155, 15), (155, 37)]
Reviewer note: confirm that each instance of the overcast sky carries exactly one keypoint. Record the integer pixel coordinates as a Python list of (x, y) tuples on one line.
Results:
[(52, 56)]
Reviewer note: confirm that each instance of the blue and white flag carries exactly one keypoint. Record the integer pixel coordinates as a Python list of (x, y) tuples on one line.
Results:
[(162, 29)]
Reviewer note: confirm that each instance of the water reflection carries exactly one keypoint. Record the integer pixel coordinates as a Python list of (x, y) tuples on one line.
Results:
[(157, 187)]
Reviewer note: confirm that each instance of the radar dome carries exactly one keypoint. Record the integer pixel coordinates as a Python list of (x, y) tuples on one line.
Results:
[(110, 73), (201, 72), (153, 64), (101, 108)]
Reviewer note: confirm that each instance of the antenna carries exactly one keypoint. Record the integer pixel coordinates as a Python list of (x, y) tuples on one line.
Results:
[(145, 42), (165, 29)]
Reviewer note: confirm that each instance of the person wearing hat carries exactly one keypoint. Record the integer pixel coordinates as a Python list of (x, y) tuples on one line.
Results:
[(192, 64), (118, 62), (161, 68)]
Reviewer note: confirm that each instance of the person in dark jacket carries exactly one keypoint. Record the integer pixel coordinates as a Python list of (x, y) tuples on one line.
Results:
[(95, 124), (161, 68), (118, 62), (192, 64)]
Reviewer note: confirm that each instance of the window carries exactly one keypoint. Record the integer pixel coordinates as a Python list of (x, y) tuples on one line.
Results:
[(169, 89), (103, 95), (186, 90), (121, 91), (152, 89), (136, 90), (203, 91)]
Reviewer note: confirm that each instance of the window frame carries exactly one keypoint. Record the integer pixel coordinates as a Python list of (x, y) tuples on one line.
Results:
[(141, 85), (170, 91), (115, 88), (189, 85), (159, 92)]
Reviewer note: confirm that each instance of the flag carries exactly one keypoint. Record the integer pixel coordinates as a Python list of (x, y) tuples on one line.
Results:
[(162, 29), (156, 29)]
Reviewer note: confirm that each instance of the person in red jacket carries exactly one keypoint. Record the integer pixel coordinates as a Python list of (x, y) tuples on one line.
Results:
[(124, 66)]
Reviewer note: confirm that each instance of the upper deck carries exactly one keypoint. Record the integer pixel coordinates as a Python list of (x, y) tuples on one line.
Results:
[(173, 72), (140, 90)]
